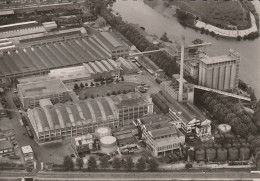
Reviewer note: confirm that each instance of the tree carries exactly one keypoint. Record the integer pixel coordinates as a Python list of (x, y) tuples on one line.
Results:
[(139, 132), (79, 162), (92, 163), (129, 163), (91, 84), (68, 163), (124, 91), (108, 94), (122, 78), (164, 37), (114, 93), (81, 85), (116, 163), (86, 84), (141, 164), (104, 162), (257, 160), (76, 86), (118, 92), (153, 165)]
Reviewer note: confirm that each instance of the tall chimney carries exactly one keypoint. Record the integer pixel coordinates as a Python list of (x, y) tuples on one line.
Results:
[(180, 98)]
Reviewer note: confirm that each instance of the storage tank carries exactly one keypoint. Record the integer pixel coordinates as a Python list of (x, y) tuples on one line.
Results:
[(103, 131), (108, 144), (232, 154), (244, 153), (217, 145), (200, 155), (211, 154), (236, 145), (227, 145), (221, 154), (224, 128), (245, 144)]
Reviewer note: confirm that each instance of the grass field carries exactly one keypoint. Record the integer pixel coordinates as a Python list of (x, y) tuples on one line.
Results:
[(219, 13), (109, 88)]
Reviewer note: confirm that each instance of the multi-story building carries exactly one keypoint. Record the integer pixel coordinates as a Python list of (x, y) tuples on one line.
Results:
[(6, 148), (159, 135), (31, 93), (83, 144), (220, 72), (111, 44), (190, 120), (171, 89), (128, 110), (51, 122)]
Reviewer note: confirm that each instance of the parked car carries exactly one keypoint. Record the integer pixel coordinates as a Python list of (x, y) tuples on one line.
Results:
[(15, 91)]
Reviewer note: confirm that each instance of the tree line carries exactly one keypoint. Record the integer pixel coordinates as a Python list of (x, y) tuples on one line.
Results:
[(143, 163)]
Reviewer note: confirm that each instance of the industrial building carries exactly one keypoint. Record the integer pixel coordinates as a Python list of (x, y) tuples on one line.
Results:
[(220, 72), (111, 44), (83, 144), (6, 148), (189, 119), (27, 152), (159, 135), (30, 94), (170, 89), (40, 59), (71, 119)]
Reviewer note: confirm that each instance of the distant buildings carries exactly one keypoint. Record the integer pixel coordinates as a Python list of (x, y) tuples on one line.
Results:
[(31, 93), (71, 119), (220, 72), (159, 135), (7, 134)]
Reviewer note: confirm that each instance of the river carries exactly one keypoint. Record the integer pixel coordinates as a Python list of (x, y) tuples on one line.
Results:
[(136, 11)]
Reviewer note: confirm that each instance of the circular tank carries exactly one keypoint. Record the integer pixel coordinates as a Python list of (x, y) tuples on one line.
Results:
[(211, 154), (245, 144), (232, 154), (200, 155), (244, 153), (221, 154), (224, 128), (227, 145), (108, 144), (217, 145), (236, 145), (103, 131)]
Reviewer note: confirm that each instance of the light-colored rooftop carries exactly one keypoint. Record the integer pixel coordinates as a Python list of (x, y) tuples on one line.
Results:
[(26, 149), (42, 88), (217, 59)]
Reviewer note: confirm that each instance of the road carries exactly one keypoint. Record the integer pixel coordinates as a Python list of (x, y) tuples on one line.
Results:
[(69, 176)]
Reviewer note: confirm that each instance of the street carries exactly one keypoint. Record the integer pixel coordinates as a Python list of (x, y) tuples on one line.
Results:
[(68, 176)]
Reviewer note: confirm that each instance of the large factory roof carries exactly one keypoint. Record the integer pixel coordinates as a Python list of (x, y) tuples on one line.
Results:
[(217, 59), (132, 101), (108, 41), (70, 114), (45, 57), (41, 88)]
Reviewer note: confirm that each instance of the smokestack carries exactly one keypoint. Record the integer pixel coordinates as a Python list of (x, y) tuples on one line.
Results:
[(180, 98)]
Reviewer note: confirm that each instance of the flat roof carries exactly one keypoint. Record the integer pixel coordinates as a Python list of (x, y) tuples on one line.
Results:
[(217, 59), (26, 149), (42, 88), (5, 144)]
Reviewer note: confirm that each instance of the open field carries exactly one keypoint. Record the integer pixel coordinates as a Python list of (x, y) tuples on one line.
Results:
[(105, 89)]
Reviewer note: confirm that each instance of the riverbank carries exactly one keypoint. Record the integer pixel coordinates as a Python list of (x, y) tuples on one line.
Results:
[(242, 25)]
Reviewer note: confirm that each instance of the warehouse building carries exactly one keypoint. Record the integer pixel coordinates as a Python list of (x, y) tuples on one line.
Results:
[(83, 144), (41, 59), (160, 136), (71, 119), (31, 93), (220, 72), (190, 120), (111, 44)]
